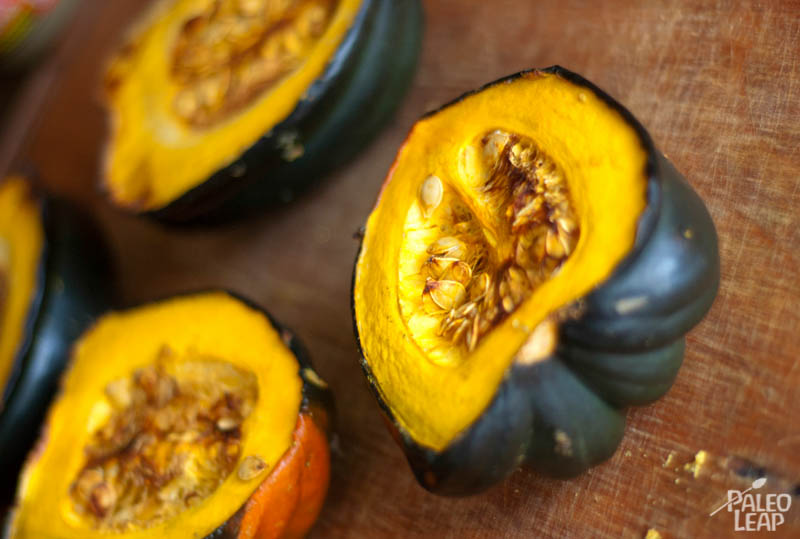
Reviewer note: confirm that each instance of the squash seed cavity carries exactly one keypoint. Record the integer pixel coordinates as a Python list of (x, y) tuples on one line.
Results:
[(487, 246), (173, 436), (235, 50)]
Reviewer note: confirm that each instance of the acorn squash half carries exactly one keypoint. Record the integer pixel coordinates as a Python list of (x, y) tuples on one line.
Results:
[(54, 279), (218, 107), (190, 417), (530, 268)]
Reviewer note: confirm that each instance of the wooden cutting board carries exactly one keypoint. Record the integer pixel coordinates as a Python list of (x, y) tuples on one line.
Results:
[(718, 85)]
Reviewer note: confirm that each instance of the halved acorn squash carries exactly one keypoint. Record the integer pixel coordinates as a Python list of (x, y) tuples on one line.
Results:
[(54, 279), (218, 107), (530, 268), (190, 417)]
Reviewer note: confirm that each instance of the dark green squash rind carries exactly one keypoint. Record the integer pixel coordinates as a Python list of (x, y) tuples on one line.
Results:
[(626, 379), (528, 422), (493, 447), (673, 272), (529, 408), (342, 111), (573, 427), (29, 328), (74, 287)]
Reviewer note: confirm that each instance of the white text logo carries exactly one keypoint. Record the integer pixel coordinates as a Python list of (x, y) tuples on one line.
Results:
[(756, 512)]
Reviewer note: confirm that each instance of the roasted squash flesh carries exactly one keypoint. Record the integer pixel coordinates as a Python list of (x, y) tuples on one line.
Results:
[(166, 424), (21, 244), (199, 74), (263, 42), (4, 263), (501, 210)]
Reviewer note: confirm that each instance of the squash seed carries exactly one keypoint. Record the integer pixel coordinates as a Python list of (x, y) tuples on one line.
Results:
[(430, 194), (227, 423), (458, 271), (446, 295), (553, 244), (436, 266), (251, 467), (102, 498), (448, 246)]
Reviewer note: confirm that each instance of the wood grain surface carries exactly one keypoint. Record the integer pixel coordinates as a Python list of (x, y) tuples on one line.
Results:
[(717, 83)]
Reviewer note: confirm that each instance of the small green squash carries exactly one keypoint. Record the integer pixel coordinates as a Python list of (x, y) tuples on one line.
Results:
[(205, 128), (530, 269), (55, 278)]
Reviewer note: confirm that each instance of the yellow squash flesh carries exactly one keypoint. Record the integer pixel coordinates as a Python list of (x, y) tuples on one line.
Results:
[(211, 325), (21, 243), (435, 398), (153, 157)]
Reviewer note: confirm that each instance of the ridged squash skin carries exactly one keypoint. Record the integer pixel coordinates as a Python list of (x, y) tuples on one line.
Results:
[(74, 284), (621, 345), (340, 113)]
